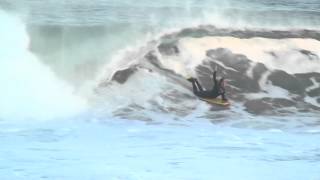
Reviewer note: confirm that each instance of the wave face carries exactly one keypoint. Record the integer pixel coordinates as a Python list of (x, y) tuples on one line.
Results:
[(133, 66), (268, 73)]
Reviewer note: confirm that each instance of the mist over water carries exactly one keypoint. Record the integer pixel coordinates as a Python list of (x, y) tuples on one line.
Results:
[(30, 90)]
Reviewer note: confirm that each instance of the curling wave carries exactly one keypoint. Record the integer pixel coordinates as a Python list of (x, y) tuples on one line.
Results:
[(269, 73)]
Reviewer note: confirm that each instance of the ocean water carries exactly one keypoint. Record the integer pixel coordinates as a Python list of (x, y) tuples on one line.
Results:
[(97, 90)]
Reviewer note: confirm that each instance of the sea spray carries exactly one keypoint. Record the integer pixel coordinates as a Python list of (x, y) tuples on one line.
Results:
[(29, 89)]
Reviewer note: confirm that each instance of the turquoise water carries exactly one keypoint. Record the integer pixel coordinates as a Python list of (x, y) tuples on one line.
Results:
[(133, 150), (148, 13), (53, 125)]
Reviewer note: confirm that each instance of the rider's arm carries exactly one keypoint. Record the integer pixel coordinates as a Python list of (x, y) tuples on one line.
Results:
[(214, 78)]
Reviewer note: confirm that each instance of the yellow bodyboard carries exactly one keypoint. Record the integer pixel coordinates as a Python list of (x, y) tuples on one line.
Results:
[(216, 101)]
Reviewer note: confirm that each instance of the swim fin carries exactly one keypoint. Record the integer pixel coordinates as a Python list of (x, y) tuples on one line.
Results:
[(191, 79)]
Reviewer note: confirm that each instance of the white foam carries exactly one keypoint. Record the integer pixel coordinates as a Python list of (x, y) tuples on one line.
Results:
[(311, 100), (249, 72), (270, 91), (30, 90), (141, 87), (314, 85), (287, 56)]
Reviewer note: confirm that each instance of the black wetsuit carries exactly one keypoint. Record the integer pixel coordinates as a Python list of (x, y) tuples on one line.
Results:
[(217, 90)]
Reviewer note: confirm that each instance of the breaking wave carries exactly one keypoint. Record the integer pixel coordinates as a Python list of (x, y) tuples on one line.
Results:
[(270, 70), (29, 89), (268, 73)]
